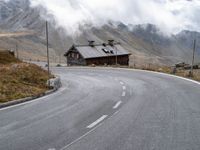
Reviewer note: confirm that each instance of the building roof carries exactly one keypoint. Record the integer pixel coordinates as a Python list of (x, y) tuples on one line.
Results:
[(99, 50)]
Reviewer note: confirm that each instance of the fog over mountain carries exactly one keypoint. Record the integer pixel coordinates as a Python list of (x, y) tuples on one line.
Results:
[(157, 31), (171, 16)]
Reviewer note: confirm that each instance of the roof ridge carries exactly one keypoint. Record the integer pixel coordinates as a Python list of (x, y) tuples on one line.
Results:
[(83, 45), (97, 50)]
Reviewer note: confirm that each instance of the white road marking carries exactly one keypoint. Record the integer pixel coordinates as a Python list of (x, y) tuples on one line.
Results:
[(97, 122), (124, 87), (124, 93), (62, 89), (109, 68), (117, 105), (35, 100), (64, 148), (159, 73), (122, 83), (51, 149), (80, 138)]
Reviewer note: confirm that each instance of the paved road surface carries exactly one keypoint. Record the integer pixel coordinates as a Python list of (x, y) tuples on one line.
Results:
[(104, 109)]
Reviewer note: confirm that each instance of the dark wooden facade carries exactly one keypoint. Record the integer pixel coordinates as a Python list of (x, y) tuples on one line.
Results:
[(75, 59), (105, 54), (111, 60)]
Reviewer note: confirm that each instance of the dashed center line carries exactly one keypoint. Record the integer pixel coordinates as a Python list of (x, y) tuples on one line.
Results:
[(124, 87), (124, 93), (122, 83), (117, 105), (115, 79), (97, 122)]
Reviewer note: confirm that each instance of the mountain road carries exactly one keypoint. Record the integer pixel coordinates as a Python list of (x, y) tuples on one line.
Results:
[(107, 109)]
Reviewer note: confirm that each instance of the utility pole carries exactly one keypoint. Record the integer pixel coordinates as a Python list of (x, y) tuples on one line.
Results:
[(192, 67), (17, 53), (47, 38), (60, 58), (116, 57), (134, 61)]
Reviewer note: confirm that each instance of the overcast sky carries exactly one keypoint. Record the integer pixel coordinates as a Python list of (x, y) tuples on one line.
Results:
[(171, 16)]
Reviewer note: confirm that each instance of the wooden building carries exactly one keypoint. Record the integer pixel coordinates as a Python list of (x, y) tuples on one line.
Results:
[(110, 53)]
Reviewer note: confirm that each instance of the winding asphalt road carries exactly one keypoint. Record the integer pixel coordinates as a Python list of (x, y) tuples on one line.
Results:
[(107, 109)]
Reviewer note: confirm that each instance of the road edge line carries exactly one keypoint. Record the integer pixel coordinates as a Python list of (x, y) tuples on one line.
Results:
[(26, 100)]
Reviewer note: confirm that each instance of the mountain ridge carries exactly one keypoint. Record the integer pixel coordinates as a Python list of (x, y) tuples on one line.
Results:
[(146, 43)]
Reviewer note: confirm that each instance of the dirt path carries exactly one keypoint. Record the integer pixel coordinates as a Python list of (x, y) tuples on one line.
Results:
[(16, 34)]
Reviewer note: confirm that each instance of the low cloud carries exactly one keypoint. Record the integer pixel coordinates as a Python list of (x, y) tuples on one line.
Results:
[(171, 16)]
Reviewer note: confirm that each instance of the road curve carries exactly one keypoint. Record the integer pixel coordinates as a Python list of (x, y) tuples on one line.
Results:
[(107, 109)]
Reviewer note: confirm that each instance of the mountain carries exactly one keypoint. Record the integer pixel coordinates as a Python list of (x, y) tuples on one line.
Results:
[(146, 42), (185, 39)]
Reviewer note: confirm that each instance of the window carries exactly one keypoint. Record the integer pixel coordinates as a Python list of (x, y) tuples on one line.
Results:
[(105, 50), (77, 56)]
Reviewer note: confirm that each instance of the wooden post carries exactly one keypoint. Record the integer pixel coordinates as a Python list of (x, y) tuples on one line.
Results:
[(193, 56), (17, 52)]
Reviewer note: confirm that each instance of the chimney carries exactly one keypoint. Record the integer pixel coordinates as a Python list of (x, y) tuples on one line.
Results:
[(111, 42), (104, 44), (91, 43)]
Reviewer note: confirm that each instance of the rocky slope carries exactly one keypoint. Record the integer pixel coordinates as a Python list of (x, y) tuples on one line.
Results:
[(145, 42)]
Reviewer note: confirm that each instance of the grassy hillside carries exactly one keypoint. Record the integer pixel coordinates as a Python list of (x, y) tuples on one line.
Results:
[(6, 58), (19, 80)]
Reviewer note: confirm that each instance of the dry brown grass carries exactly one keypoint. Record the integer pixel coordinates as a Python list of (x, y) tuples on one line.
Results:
[(168, 70), (21, 80), (185, 73), (6, 58)]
